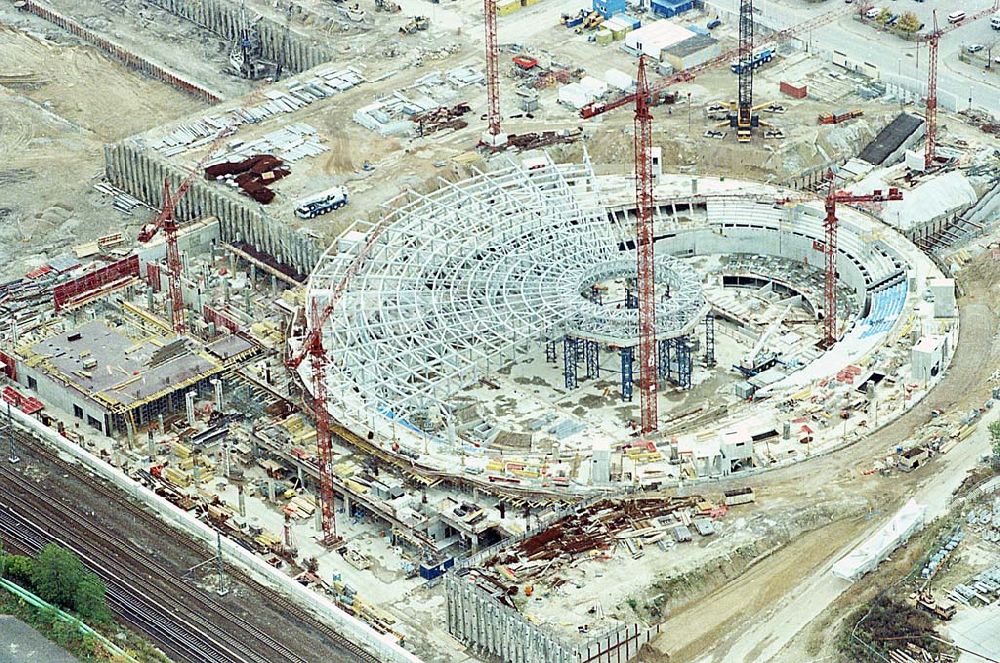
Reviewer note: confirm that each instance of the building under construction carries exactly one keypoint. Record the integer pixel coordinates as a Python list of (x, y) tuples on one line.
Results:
[(473, 352), (114, 379)]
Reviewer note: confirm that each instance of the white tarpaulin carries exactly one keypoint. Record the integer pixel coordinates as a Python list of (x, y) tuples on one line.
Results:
[(869, 554)]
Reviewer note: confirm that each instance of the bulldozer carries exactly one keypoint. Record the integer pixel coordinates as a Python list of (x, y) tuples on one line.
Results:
[(387, 6), (415, 24)]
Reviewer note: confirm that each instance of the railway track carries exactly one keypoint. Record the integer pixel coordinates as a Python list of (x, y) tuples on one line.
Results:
[(188, 623)]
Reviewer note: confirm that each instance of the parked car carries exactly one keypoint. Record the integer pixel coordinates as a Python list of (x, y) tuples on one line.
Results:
[(974, 48), (872, 13), (713, 24)]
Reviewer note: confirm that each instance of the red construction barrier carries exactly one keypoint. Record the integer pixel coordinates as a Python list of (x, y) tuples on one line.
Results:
[(94, 280), (26, 404), (9, 365)]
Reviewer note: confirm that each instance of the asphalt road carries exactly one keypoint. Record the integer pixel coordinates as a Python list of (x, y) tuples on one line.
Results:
[(891, 54)]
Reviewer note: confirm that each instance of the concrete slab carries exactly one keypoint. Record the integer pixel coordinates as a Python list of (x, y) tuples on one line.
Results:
[(977, 630)]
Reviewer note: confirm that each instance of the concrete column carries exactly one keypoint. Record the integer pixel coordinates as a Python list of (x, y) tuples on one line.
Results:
[(189, 406), (242, 500), (217, 384)]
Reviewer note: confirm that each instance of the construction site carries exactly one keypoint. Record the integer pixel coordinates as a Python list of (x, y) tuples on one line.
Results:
[(527, 331)]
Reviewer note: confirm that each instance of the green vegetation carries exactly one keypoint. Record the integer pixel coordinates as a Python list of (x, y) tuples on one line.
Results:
[(886, 623), (908, 22), (59, 577), (884, 15), (995, 437)]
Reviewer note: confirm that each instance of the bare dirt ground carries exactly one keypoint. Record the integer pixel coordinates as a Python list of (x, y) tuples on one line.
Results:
[(52, 135)]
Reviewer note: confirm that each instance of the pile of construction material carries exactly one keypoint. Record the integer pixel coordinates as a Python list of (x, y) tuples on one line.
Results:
[(595, 531), (252, 175), (441, 118), (911, 653)]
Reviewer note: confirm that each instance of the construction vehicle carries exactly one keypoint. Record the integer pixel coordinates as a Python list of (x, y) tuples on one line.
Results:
[(321, 203), (924, 599), (840, 116), (387, 6), (758, 59), (415, 24), (574, 20), (591, 22), (760, 358)]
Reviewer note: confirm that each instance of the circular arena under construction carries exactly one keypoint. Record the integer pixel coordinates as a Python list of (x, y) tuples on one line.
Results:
[(489, 328)]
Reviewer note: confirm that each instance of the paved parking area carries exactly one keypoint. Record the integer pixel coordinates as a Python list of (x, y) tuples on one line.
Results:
[(19, 643), (978, 630)]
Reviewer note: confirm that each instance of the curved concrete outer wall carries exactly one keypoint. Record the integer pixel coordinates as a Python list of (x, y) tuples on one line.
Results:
[(223, 18), (135, 170), (353, 629)]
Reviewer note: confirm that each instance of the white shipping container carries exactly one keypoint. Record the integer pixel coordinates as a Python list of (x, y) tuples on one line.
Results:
[(574, 95), (619, 80)]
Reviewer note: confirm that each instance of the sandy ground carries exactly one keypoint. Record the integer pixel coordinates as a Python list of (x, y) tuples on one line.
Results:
[(52, 136)]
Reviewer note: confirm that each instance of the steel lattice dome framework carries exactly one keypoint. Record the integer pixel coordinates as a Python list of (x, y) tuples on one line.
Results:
[(464, 280)]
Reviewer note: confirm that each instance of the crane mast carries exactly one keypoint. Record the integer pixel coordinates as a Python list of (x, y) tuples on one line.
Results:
[(744, 109), (830, 248), (493, 136), (644, 253)]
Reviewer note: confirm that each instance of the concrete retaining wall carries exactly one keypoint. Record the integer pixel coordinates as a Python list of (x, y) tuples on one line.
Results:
[(141, 173), (119, 53), (293, 50), (353, 629)]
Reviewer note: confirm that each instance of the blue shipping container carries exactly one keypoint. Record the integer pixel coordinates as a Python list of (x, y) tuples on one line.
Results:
[(609, 8), (671, 8)]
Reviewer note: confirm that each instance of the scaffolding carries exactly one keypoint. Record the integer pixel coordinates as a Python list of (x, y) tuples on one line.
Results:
[(710, 339)]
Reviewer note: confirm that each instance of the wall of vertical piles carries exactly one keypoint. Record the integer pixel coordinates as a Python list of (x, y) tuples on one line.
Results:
[(119, 53), (137, 171), (222, 17)]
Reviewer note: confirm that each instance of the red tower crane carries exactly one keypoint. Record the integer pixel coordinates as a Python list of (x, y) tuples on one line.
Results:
[(644, 253), (830, 248), (657, 90), (932, 54), (166, 222), (312, 347), (493, 136)]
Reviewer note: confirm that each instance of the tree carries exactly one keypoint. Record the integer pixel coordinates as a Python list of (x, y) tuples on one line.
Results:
[(56, 575), (908, 22), (89, 601), (995, 437), (18, 569), (884, 15)]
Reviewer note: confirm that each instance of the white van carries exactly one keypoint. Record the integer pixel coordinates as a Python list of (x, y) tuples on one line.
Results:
[(956, 17), (872, 13), (995, 21)]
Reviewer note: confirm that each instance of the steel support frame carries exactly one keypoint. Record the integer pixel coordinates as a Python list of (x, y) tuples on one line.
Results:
[(627, 355), (569, 362), (592, 357)]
